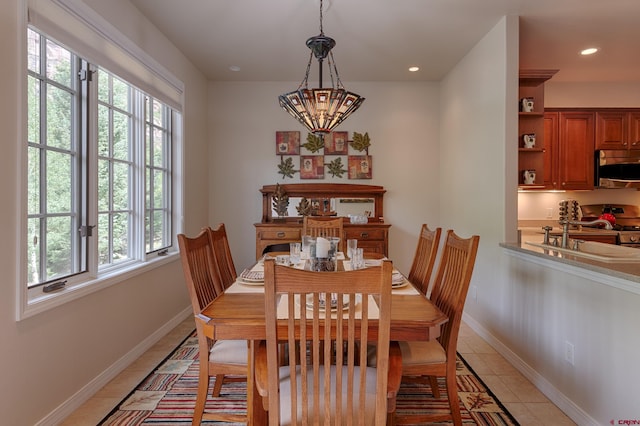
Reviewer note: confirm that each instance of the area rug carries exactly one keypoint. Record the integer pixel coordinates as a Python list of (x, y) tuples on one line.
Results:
[(167, 396)]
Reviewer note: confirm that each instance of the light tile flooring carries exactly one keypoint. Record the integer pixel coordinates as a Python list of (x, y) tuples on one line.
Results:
[(526, 403)]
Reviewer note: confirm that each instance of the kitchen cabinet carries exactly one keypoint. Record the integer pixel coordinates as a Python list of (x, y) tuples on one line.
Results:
[(618, 129), (570, 151), (531, 122)]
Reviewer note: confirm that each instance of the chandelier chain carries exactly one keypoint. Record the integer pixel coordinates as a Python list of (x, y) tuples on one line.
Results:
[(321, 30), (305, 80)]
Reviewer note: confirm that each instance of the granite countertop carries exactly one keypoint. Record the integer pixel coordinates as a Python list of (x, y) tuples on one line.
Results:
[(624, 270), (622, 275)]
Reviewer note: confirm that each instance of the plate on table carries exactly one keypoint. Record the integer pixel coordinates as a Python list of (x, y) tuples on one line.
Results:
[(252, 277), (397, 280), (334, 303)]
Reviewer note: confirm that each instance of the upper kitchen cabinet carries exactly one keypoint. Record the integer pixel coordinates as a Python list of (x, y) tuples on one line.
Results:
[(531, 128), (570, 153), (618, 129)]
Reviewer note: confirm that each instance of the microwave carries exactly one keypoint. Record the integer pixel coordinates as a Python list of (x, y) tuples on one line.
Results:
[(617, 169)]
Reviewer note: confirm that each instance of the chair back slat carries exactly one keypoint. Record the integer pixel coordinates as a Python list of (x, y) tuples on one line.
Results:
[(222, 254), (452, 284), (200, 271), (327, 385), (424, 258), (324, 227)]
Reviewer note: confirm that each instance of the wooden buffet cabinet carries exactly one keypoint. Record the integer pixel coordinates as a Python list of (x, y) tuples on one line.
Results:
[(372, 236)]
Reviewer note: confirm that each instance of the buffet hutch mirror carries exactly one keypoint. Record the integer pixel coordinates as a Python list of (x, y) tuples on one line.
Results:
[(332, 199)]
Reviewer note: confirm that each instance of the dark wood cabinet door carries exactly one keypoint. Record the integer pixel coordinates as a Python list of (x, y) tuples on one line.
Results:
[(611, 130), (575, 150), (634, 130)]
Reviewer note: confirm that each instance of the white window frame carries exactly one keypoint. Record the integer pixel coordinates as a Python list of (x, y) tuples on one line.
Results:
[(30, 302)]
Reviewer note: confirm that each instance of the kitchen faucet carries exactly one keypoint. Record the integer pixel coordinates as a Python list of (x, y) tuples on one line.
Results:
[(566, 223)]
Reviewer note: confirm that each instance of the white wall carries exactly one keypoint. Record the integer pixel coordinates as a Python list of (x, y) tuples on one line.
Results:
[(548, 308), (585, 95), (51, 359), (401, 119)]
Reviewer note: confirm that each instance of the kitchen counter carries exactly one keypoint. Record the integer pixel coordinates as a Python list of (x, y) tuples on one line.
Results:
[(617, 274), (625, 276)]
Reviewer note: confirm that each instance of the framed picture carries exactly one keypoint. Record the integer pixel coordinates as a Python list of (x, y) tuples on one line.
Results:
[(336, 143), (312, 167), (288, 143), (360, 166)]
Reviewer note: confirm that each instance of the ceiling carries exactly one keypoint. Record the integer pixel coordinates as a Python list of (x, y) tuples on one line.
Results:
[(377, 40)]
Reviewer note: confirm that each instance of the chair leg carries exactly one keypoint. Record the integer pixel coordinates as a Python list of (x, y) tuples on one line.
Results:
[(435, 390), (454, 404), (391, 419), (201, 399), (217, 386)]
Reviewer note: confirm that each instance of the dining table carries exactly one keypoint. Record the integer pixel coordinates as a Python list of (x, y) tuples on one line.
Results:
[(239, 314)]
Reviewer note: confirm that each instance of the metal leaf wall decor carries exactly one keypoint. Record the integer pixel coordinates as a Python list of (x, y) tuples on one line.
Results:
[(361, 142), (286, 168), (336, 168), (314, 143)]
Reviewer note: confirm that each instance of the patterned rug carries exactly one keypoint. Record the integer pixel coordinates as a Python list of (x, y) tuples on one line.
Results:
[(167, 396)]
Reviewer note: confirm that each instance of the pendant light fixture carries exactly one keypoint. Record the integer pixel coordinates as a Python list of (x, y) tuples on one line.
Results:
[(321, 110)]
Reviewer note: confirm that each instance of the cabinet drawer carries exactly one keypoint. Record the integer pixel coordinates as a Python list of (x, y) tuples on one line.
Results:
[(281, 234), (365, 234), (369, 247)]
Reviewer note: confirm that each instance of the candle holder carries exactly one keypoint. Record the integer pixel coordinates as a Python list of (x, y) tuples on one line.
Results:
[(323, 264), (323, 253)]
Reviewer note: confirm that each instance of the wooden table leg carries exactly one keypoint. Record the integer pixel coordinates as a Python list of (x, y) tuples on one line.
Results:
[(256, 415)]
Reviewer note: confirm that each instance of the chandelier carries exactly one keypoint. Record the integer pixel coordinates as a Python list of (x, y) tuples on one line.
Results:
[(322, 109)]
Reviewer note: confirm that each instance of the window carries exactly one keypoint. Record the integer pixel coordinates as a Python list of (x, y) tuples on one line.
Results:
[(158, 175), (54, 151), (99, 170)]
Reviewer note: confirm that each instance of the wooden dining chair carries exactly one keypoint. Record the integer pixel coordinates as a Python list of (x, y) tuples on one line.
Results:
[(424, 258), (438, 358), (222, 254), (324, 227), (311, 388), (218, 358)]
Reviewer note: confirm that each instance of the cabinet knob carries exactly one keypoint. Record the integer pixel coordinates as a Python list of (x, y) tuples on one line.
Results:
[(280, 234), (364, 234)]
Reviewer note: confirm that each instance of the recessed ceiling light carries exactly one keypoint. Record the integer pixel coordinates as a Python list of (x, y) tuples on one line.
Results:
[(234, 68), (589, 51), (414, 69)]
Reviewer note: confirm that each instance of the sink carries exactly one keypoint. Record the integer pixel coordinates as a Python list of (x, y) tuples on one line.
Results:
[(596, 251)]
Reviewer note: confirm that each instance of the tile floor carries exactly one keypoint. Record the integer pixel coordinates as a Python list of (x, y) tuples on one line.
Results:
[(526, 403)]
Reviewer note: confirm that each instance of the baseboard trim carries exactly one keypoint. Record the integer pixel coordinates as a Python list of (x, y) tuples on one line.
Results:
[(573, 411), (65, 409)]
